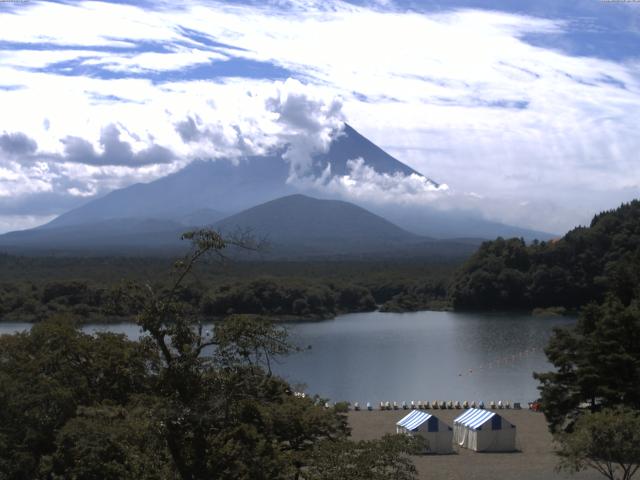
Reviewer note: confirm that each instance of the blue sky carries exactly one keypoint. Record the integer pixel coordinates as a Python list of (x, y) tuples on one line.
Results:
[(526, 110)]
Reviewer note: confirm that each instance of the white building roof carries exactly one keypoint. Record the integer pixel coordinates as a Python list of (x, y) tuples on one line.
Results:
[(474, 418), (414, 419)]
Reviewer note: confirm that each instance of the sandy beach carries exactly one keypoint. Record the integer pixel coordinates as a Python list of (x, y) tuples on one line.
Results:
[(534, 459)]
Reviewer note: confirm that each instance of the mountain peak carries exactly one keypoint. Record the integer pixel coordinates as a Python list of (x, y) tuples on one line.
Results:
[(349, 144)]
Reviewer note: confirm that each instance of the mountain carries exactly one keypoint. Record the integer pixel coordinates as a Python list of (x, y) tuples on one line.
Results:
[(204, 192), (120, 235), (298, 226), (224, 186), (295, 227), (220, 186), (318, 226), (453, 223), (349, 145)]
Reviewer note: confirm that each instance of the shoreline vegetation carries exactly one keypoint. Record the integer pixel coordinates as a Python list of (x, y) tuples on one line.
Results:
[(99, 291)]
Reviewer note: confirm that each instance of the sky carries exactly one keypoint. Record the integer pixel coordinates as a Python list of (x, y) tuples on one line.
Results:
[(525, 111)]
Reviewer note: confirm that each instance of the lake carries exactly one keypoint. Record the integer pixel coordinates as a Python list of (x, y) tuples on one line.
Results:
[(411, 356)]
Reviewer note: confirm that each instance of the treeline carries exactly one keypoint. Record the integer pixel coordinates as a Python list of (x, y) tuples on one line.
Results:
[(281, 298), (584, 266)]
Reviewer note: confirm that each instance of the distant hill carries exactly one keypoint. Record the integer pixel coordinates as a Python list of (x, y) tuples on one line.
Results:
[(295, 227), (298, 225), (448, 224), (582, 267), (319, 226)]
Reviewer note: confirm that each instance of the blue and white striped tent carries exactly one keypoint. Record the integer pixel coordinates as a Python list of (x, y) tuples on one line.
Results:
[(438, 435), (484, 431)]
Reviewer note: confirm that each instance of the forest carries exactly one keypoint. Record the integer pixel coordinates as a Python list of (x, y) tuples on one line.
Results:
[(96, 289), (584, 266)]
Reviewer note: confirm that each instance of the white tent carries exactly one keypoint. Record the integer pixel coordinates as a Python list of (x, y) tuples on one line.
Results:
[(438, 435), (484, 431)]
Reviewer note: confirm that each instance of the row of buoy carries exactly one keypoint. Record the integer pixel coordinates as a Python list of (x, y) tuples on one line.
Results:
[(441, 405)]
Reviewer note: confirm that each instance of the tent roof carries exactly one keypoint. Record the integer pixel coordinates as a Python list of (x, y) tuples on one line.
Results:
[(474, 418), (414, 419)]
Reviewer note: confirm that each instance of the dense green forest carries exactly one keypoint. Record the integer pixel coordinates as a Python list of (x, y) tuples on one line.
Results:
[(591, 398), (96, 289), (584, 266)]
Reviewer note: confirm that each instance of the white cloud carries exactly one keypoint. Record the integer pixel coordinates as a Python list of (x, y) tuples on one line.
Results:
[(308, 123), (152, 61), (459, 96), (362, 183)]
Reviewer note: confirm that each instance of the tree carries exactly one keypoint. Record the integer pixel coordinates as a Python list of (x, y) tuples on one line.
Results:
[(220, 411), (109, 442), (607, 441), (597, 364), (49, 373)]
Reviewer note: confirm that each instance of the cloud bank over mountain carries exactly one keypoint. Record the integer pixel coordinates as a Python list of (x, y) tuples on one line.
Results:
[(504, 107)]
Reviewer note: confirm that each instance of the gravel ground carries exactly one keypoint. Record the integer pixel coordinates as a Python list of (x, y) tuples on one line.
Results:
[(534, 459)]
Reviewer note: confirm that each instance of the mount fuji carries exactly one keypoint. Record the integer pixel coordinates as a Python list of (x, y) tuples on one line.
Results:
[(219, 192)]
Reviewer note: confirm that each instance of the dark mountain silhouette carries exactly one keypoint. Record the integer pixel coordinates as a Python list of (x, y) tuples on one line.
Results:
[(319, 225), (298, 225)]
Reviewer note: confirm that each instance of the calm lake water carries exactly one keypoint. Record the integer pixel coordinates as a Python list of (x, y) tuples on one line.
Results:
[(411, 356)]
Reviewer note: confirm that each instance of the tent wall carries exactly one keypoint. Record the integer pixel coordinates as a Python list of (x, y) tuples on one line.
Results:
[(438, 435), (491, 436)]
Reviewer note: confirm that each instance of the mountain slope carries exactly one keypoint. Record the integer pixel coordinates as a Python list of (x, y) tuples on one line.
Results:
[(453, 223), (122, 235), (220, 186), (321, 225), (350, 145), (203, 192), (298, 226), (295, 227)]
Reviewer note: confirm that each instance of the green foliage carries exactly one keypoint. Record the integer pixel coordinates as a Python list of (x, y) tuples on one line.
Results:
[(109, 443), (597, 363), (48, 373), (607, 441), (34, 289), (283, 299), (426, 295), (580, 268)]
